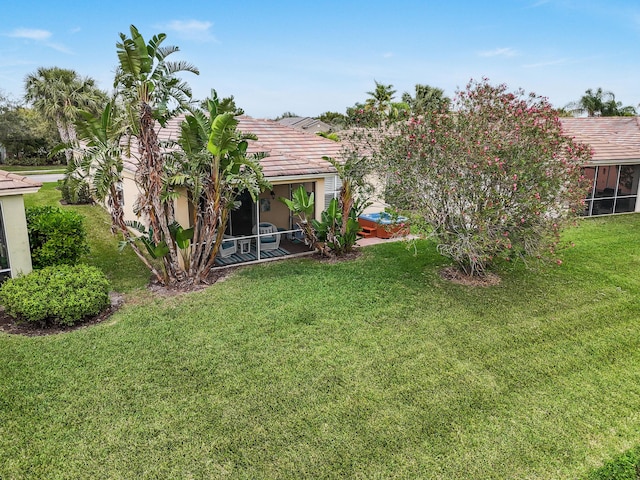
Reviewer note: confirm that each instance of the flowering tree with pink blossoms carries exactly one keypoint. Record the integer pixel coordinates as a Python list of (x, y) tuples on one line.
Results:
[(492, 178)]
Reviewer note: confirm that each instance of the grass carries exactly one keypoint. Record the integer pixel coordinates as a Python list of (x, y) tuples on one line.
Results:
[(123, 269), (33, 168), (623, 467), (372, 368)]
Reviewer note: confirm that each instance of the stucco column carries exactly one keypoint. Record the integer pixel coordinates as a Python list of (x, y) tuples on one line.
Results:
[(15, 227)]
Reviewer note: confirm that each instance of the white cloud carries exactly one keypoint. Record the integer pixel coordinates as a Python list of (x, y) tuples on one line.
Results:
[(191, 29), (499, 52), (40, 36), (59, 47), (549, 63), (387, 55), (30, 33)]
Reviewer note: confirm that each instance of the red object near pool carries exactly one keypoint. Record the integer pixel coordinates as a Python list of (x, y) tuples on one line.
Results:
[(383, 225)]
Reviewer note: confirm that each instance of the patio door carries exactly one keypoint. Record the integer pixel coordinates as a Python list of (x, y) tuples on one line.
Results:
[(5, 270), (243, 219)]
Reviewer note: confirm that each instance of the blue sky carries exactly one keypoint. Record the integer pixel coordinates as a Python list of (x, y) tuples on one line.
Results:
[(310, 57)]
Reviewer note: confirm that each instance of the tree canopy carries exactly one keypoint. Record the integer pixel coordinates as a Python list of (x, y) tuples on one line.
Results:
[(600, 103), (208, 163), (427, 99), (24, 134), (492, 178), (59, 94)]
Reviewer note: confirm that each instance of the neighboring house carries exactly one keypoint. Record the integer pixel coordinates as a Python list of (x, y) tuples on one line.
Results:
[(293, 158), (15, 254), (306, 124), (615, 165)]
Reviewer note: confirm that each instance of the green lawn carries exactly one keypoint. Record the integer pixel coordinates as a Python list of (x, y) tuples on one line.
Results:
[(372, 368), (33, 168), (123, 269)]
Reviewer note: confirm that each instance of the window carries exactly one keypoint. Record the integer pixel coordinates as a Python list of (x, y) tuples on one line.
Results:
[(5, 270), (615, 189), (332, 187), (120, 193)]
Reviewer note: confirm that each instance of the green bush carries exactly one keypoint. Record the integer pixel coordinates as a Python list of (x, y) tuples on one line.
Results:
[(623, 467), (74, 190), (59, 295), (27, 161), (56, 236)]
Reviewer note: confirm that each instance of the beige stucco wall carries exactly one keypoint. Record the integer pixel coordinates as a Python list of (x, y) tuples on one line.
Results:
[(377, 202), (15, 224), (181, 209), (278, 213), (319, 198), (130, 191)]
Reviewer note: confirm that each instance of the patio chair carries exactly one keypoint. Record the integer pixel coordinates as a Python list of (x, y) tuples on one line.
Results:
[(228, 247), (271, 240)]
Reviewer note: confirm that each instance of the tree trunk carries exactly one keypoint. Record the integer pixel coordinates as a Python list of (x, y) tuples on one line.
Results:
[(149, 177), (117, 220)]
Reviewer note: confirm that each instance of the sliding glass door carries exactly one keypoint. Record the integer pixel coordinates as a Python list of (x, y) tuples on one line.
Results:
[(5, 271)]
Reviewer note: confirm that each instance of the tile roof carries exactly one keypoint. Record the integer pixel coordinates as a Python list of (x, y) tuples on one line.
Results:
[(611, 138), (12, 184), (291, 152), (307, 124)]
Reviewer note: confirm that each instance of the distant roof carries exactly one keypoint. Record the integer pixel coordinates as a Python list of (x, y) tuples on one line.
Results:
[(291, 152), (308, 124), (13, 184), (611, 138)]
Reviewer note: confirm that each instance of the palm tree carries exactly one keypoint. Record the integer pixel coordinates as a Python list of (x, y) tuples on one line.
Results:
[(599, 103), (381, 97), (427, 99), (59, 94), (100, 163), (152, 93)]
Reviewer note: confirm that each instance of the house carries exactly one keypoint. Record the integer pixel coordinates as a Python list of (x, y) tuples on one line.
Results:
[(293, 158), (615, 165), (306, 124), (15, 254)]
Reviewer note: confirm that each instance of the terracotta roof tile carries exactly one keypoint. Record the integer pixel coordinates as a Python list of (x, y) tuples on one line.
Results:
[(289, 151), (611, 138), (11, 183)]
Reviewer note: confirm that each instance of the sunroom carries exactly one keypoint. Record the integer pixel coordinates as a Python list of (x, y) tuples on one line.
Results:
[(614, 169), (266, 229), (15, 254)]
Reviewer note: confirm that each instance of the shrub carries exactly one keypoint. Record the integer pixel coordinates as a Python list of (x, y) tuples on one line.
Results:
[(27, 161), (494, 178), (623, 467), (62, 294), (74, 191), (56, 236)]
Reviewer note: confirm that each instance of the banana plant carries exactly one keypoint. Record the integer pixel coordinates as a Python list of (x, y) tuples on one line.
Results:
[(339, 235), (155, 250), (182, 237), (302, 205)]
